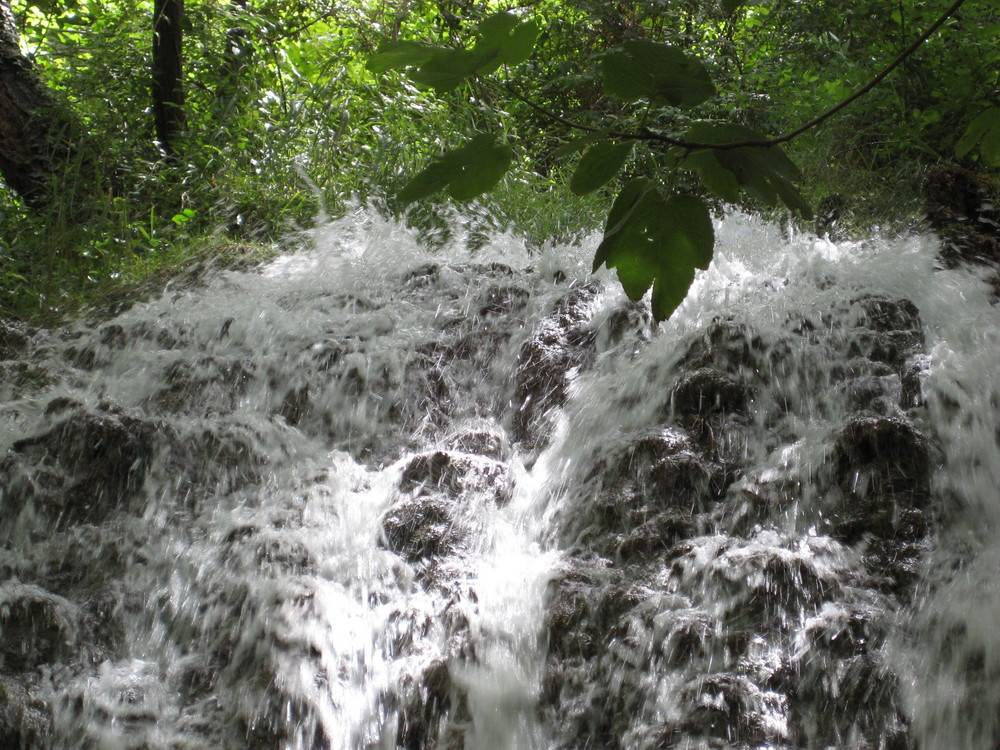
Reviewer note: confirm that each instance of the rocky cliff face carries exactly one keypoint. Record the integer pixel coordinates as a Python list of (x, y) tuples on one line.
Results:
[(476, 505)]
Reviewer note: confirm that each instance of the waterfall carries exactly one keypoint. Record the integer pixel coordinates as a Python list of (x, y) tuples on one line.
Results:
[(373, 496)]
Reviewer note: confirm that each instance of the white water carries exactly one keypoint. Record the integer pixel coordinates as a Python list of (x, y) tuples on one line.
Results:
[(259, 602)]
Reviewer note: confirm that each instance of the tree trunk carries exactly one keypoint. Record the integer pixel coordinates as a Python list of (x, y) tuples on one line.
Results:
[(168, 88), (30, 122)]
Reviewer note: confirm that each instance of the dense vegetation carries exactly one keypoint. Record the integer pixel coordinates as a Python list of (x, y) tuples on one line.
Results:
[(284, 109)]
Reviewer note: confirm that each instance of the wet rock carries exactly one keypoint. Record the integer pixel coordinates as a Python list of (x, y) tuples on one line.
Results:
[(762, 582), (726, 346), (562, 343), (858, 696), (502, 300), (212, 383), (36, 627), (629, 320), (113, 336), (421, 528), (81, 469), (15, 338), (454, 474), (727, 706), (889, 314), (422, 718), (882, 467), (961, 207), (24, 719), (294, 405), (654, 477), (652, 539), (483, 442), (706, 392)]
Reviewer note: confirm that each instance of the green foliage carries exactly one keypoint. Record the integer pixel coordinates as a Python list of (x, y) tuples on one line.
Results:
[(658, 73), (656, 242), (651, 240), (984, 132), (599, 166), (464, 172), (288, 101)]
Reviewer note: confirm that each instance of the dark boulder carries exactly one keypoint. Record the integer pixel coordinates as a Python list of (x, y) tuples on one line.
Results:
[(560, 344), (961, 208), (656, 478), (706, 392), (36, 627), (502, 300), (455, 474), (15, 338), (81, 469), (882, 467), (421, 528), (25, 720), (423, 716)]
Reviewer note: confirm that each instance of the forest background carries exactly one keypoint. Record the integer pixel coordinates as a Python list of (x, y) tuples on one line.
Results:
[(275, 109)]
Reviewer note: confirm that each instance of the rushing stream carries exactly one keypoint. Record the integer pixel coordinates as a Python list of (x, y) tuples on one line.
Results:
[(372, 497)]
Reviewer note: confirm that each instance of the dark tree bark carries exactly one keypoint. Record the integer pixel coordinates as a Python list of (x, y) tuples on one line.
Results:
[(168, 88), (31, 132)]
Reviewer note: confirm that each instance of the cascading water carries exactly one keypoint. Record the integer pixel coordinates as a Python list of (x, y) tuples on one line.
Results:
[(370, 497)]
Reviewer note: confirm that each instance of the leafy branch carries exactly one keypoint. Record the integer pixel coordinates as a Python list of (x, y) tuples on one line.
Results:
[(653, 238)]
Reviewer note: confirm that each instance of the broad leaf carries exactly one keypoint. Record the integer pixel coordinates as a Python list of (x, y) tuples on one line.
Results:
[(448, 68), (482, 170), (660, 73), (765, 172), (984, 130), (713, 175), (656, 242), (394, 55), (599, 166), (503, 35), (579, 144), (465, 172)]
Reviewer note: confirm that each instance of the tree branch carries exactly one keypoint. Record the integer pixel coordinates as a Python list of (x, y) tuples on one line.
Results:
[(645, 134)]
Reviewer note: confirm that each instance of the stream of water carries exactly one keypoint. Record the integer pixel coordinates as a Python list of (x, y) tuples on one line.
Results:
[(369, 496)]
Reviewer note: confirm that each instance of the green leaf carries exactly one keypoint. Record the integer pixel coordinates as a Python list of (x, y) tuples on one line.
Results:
[(447, 69), (620, 217), (511, 42), (660, 73), (394, 55), (655, 242), (579, 144), (983, 131), (765, 172), (713, 175), (465, 172), (731, 6), (599, 166), (481, 172), (493, 30)]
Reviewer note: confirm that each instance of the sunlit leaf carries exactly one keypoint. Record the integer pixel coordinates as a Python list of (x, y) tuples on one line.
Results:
[(713, 175), (656, 242), (395, 55), (599, 166), (448, 68), (660, 73), (481, 172), (511, 41), (465, 172)]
